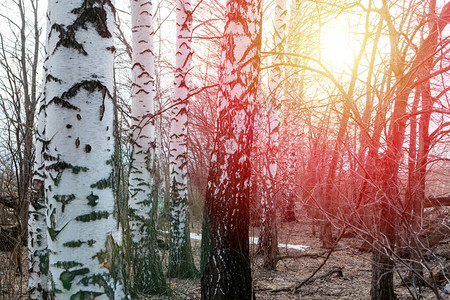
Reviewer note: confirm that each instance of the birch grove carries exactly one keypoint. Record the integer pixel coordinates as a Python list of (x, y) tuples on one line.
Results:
[(158, 121)]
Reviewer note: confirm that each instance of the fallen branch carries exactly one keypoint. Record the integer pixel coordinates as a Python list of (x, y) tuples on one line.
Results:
[(309, 255), (310, 278)]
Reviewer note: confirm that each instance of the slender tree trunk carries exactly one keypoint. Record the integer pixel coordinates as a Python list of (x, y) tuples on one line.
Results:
[(424, 138), (83, 238), (412, 223), (382, 266), (326, 229), (268, 235), (147, 276), (37, 236), (348, 106), (288, 212), (228, 274), (28, 69), (181, 262)]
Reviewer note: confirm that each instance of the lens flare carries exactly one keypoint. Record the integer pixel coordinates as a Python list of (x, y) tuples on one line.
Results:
[(336, 46)]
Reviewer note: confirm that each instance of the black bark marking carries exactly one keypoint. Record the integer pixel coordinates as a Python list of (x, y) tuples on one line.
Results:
[(53, 232), (102, 183), (64, 200), (88, 85), (67, 38), (77, 142), (61, 166), (67, 264), (93, 216), (86, 295), (92, 12), (142, 91), (68, 126), (144, 74), (138, 65), (58, 166), (102, 109), (49, 157), (87, 148), (53, 78), (78, 117), (92, 199), (147, 51), (67, 277)]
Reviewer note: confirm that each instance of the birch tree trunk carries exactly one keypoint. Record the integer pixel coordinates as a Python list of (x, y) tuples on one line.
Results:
[(181, 262), (38, 280), (269, 240), (227, 274), (37, 231), (288, 213), (83, 238), (147, 276)]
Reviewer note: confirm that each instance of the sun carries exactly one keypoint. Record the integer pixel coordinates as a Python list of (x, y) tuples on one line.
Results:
[(336, 46)]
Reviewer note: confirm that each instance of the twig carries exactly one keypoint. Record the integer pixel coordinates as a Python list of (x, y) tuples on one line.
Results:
[(307, 280), (310, 255)]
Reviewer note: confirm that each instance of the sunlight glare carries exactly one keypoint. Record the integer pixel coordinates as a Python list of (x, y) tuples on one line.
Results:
[(336, 46)]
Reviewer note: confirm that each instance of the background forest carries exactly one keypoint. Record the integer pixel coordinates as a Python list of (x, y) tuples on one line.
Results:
[(338, 170)]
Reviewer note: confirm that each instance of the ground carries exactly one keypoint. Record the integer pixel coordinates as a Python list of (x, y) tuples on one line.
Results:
[(346, 274)]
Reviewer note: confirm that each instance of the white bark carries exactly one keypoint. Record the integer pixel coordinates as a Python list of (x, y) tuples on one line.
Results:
[(227, 273), (178, 132), (146, 266), (180, 251), (275, 89), (37, 231), (269, 230), (82, 231), (142, 110)]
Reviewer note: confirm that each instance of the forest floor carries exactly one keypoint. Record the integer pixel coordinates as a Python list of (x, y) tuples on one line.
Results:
[(346, 274)]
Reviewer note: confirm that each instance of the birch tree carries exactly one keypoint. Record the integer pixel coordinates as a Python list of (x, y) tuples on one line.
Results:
[(269, 241), (37, 231), (181, 262), (227, 274), (147, 275), (83, 238)]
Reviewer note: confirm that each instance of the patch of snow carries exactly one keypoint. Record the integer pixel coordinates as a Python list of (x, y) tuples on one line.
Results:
[(254, 240)]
